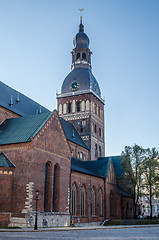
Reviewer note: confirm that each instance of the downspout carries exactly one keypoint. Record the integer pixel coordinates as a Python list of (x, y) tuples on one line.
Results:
[(104, 200), (70, 199), (104, 204)]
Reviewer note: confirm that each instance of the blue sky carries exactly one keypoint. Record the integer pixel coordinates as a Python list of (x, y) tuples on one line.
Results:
[(35, 45)]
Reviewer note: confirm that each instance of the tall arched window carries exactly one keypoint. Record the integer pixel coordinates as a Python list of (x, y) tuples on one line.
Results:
[(56, 188), (73, 199), (78, 56), (82, 201), (78, 107), (47, 189), (100, 202), (92, 202)]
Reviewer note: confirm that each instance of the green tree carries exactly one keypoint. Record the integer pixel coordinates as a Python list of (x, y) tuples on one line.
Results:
[(151, 175), (132, 159)]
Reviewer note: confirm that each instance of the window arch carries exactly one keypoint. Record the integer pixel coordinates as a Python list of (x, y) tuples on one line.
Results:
[(78, 56), (56, 188), (92, 202), (47, 188), (73, 198), (100, 203), (82, 201)]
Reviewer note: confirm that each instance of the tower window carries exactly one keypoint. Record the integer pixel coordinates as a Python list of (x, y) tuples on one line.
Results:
[(78, 107), (96, 151), (83, 56), (69, 108), (100, 132), (100, 151), (95, 128), (99, 112), (78, 56), (95, 108)]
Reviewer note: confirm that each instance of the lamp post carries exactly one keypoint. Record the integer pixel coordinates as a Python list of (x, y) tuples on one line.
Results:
[(36, 218)]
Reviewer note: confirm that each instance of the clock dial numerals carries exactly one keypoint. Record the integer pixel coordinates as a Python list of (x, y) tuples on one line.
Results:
[(74, 85)]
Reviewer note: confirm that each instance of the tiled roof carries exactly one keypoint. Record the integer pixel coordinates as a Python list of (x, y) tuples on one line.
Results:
[(22, 105), (5, 162), (117, 164), (21, 129), (72, 134), (98, 168)]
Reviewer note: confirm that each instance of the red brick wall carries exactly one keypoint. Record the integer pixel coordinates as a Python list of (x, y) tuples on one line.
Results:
[(75, 149), (4, 113), (49, 145), (89, 182), (4, 219), (6, 185)]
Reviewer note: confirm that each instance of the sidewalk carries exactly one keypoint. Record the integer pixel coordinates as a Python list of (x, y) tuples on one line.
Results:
[(74, 228)]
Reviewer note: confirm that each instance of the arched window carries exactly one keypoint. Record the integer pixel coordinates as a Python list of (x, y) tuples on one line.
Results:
[(81, 155), (111, 203), (96, 151), (95, 128), (95, 108), (73, 198), (82, 201), (99, 112), (78, 56), (69, 108), (78, 107), (56, 186), (100, 203), (92, 202), (83, 56), (81, 128), (47, 189), (100, 132)]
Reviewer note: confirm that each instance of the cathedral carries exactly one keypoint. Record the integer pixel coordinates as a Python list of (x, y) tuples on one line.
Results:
[(60, 153)]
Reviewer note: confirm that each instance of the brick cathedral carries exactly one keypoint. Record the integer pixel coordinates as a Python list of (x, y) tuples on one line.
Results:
[(60, 153)]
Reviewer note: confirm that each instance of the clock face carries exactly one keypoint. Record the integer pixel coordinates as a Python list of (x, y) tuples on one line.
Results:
[(74, 85)]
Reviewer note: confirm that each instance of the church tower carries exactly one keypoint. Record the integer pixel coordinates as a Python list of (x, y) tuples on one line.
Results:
[(80, 99)]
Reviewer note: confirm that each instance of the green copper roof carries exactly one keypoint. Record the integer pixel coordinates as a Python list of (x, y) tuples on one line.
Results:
[(21, 129), (5, 162), (71, 133), (97, 168)]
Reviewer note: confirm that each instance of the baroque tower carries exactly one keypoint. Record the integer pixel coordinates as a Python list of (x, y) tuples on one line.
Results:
[(80, 99)]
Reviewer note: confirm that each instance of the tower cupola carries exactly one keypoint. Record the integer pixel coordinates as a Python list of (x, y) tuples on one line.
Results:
[(81, 54)]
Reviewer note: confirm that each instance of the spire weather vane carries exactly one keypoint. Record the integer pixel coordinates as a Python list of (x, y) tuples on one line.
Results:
[(81, 10)]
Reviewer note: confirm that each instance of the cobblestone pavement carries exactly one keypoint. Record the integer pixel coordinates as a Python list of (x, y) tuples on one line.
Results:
[(141, 233)]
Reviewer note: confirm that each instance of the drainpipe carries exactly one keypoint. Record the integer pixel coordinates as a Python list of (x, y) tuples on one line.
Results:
[(104, 200)]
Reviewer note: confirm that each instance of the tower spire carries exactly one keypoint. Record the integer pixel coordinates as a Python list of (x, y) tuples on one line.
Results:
[(81, 27)]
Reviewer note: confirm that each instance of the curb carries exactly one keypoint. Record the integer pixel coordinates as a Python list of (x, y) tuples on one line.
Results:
[(77, 228)]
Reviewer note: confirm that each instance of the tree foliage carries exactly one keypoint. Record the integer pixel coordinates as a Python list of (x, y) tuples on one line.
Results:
[(151, 175), (141, 167)]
